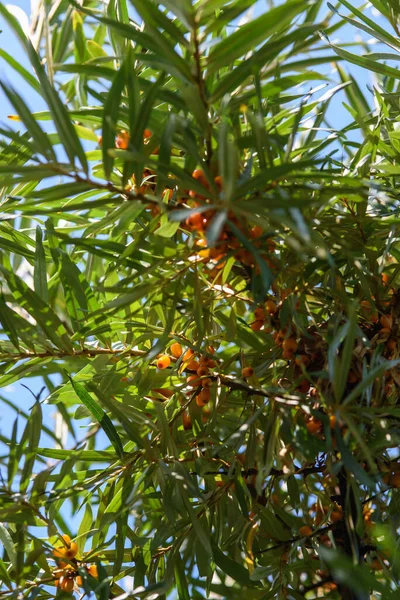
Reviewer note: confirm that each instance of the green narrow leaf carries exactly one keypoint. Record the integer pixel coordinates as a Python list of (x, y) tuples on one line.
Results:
[(100, 415), (8, 544), (40, 274)]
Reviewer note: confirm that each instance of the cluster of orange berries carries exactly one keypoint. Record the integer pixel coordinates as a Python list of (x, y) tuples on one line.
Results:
[(66, 575), (227, 243), (199, 366)]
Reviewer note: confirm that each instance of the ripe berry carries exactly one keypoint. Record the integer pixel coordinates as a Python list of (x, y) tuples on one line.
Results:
[(195, 221), (287, 354), (271, 307), (211, 363), (203, 397), (305, 530), (290, 345), (188, 355), (67, 584), (202, 371), (337, 514), (386, 321), (259, 314), (256, 325), (247, 372), (122, 140), (314, 425), (206, 383), (176, 350), (193, 381), (93, 571), (69, 550), (163, 361), (332, 421), (147, 134), (256, 231), (193, 365)]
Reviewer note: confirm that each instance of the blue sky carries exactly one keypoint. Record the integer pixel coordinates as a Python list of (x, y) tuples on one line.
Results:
[(338, 117)]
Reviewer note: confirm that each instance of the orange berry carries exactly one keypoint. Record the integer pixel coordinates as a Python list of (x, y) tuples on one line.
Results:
[(302, 360), (290, 345), (386, 321), (203, 397), (336, 514), (305, 530), (256, 231), (206, 383), (100, 140), (68, 551), (199, 174), (210, 350), (332, 421), (176, 350), (211, 363), (203, 361), (67, 584), (78, 580), (314, 425), (247, 372), (163, 361), (287, 354), (279, 337), (193, 381), (188, 355), (385, 278), (93, 571), (195, 221), (193, 365), (202, 371), (122, 140), (147, 134), (256, 325), (271, 307), (259, 314), (187, 421)]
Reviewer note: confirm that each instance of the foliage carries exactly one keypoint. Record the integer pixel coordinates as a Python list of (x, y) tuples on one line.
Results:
[(204, 273)]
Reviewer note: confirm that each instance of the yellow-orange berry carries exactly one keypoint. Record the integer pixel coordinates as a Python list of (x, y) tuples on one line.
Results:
[(257, 325), (271, 307), (122, 140), (67, 584), (164, 392), (287, 354), (146, 134), (203, 397), (188, 354), (332, 421), (247, 372), (305, 530), (93, 571), (163, 361), (176, 350)]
